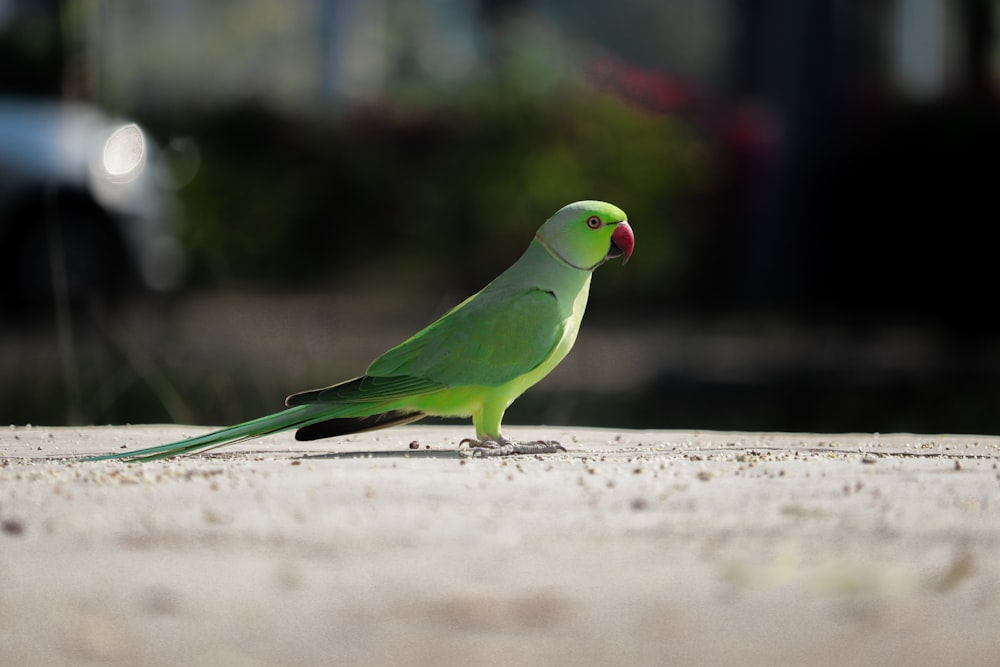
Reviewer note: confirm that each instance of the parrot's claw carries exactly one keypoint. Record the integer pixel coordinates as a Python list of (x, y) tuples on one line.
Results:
[(505, 447)]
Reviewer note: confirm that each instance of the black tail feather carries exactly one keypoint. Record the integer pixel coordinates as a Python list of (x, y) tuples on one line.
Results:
[(346, 425)]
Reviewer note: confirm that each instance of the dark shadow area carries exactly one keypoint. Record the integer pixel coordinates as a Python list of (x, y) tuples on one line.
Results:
[(810, 186)]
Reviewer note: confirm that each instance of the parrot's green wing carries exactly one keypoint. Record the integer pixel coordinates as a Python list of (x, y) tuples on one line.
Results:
[(492, 338), (366, 389)]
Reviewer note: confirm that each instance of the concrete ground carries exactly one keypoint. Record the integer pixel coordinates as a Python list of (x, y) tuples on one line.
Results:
[(633, 548)]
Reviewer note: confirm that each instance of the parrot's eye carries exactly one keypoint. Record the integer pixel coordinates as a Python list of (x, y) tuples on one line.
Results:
[(593, 222)]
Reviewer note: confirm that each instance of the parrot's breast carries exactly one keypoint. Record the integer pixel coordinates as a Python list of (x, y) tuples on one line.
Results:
[(519, 385)]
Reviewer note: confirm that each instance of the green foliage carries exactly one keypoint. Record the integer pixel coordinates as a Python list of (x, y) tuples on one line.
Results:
[(447, 194)]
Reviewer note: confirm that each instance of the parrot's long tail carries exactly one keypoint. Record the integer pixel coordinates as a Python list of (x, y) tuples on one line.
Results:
[(300, 415)]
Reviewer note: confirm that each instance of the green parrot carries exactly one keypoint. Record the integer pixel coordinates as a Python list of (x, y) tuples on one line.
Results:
[(473, 361)]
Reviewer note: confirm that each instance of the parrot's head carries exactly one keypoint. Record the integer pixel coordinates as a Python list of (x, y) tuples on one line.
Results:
[(585, 234)]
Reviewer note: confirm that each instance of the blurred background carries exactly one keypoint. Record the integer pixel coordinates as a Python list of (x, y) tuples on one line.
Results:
[(205, 206)]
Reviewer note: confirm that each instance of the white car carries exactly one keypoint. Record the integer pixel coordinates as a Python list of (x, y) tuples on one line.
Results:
[(86, 211)]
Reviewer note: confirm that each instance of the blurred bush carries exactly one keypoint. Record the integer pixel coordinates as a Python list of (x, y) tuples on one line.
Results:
[(447, 193)]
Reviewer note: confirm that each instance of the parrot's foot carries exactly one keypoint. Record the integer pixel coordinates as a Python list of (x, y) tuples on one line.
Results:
[(504, 447)]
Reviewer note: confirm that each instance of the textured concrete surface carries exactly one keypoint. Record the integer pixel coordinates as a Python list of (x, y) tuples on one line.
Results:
[(634, 548)]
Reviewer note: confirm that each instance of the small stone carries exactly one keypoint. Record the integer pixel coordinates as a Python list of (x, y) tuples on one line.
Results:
[(12, 527)]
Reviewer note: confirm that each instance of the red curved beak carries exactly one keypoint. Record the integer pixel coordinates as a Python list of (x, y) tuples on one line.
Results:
[(622, 241)]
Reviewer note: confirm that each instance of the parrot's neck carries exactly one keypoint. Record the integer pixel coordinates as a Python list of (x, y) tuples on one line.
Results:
[(549, 272)]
